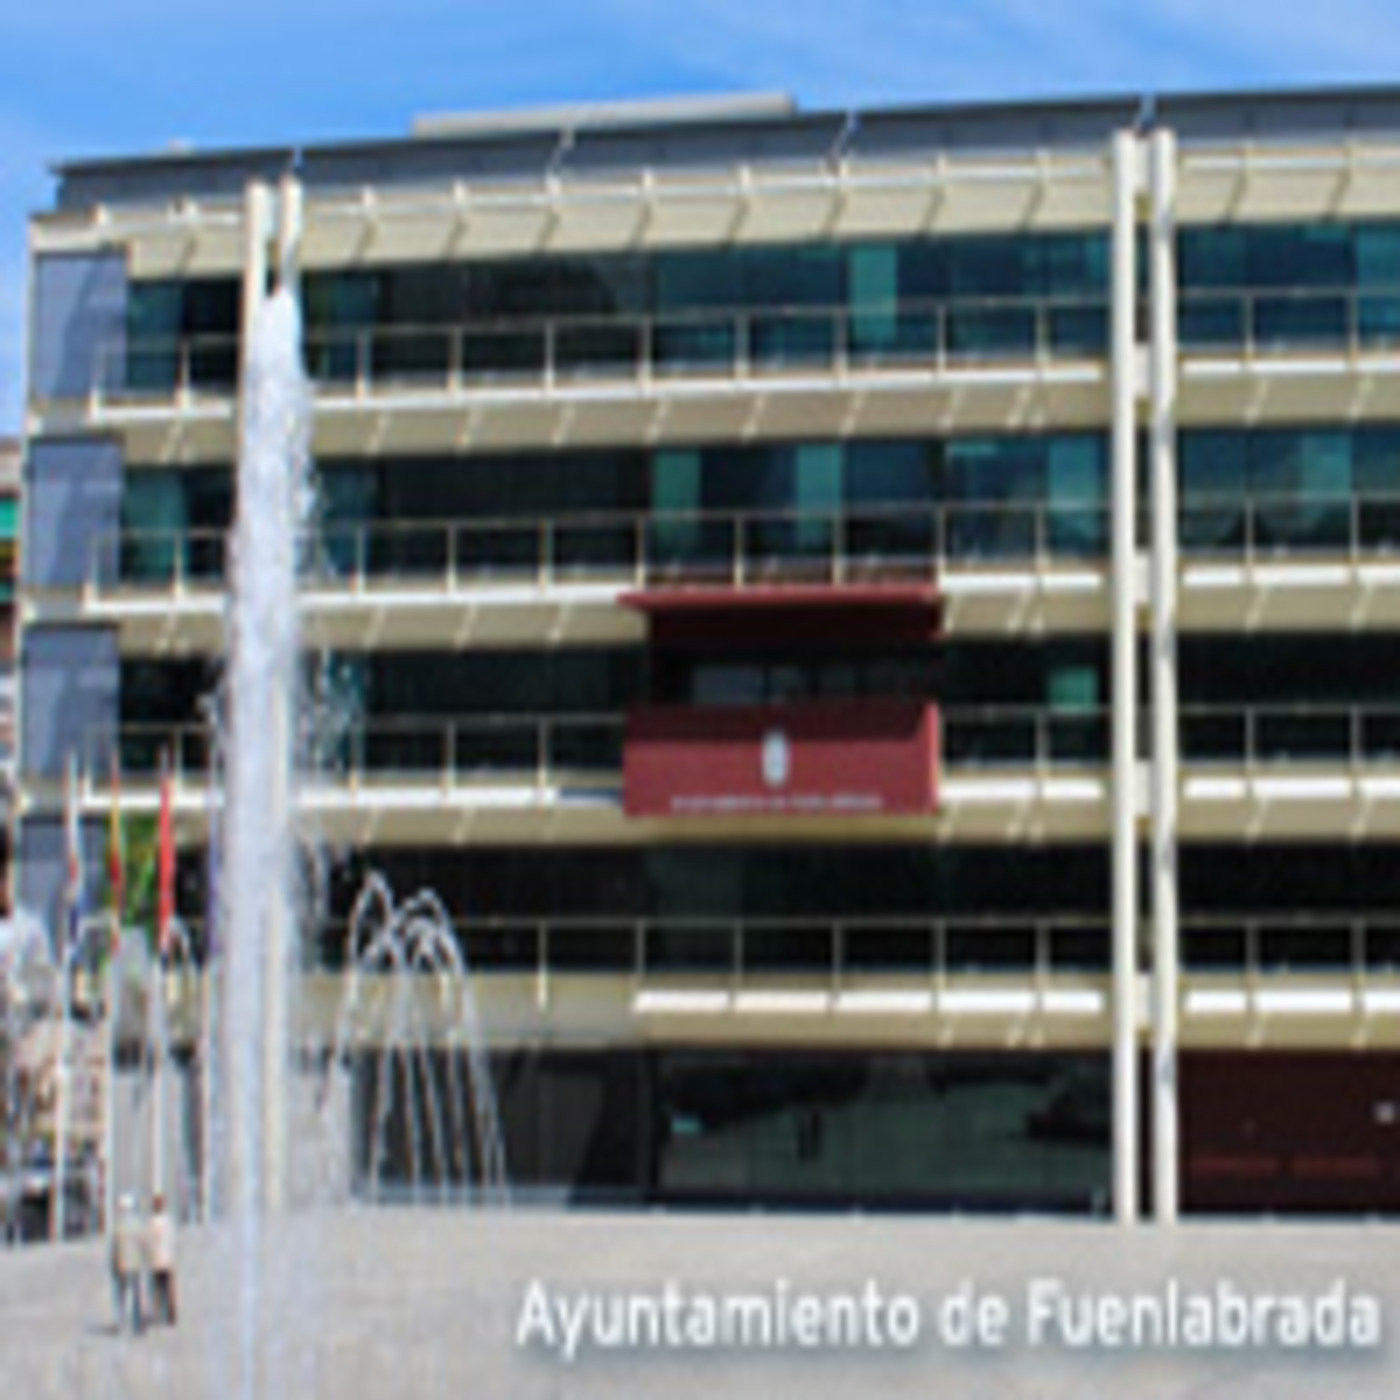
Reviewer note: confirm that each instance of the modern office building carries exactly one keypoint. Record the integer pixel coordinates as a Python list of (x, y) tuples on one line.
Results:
[(882, 626)]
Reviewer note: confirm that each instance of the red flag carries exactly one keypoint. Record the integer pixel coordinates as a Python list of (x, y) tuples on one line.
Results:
[(73, 843), (165, 865)]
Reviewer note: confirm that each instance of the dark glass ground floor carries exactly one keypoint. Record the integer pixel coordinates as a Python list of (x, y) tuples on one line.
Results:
[(1271, 1132), (888, 1129)]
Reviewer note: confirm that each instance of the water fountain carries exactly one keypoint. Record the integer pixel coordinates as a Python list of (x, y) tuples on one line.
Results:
[(406, 1008), (422, 1021), (257, 921), (406, 949)]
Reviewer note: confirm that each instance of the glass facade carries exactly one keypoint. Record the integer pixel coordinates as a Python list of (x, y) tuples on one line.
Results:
[(964, 298), (820, 916), (182, 331), (1284, 286), (1326, 489), (1261, 699), (429, 712), (970, 297), (868, 503), (980, 1132)]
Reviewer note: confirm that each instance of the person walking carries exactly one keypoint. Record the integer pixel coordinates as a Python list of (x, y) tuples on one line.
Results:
[(160, 1250), (126, 1266)]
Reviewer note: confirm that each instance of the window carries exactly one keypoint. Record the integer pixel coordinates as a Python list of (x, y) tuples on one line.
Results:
[(776, 304), (182, 331), (1290, 285)]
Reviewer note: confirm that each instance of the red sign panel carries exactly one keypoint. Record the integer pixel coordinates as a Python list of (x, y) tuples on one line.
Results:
[(842, 759)]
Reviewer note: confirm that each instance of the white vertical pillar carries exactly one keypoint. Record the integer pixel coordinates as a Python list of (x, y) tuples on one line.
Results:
[(1165, 756), (257, 221), (289, 230), (1124, 678), (66, 941)]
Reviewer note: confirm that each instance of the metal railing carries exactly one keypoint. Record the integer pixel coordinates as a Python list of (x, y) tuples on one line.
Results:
[(1272, 525), (735, 547), (1023, 736), (730, 342), (1333, 942), (1251, 321), (460, 750), (852, 544), (733, 342), (732, 951), (856, 951), (975, 738), (1303, 733), (861, 950)]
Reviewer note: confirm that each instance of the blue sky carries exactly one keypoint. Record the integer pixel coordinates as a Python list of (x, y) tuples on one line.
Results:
[(85, 77)]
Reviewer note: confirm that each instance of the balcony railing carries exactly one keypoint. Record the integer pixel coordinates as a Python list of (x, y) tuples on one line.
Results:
[(866, 950), (1338, 942), (828, 952), (533, 748), (538, 748), (1029, 951), (1261, 735), (1283, 524), (1283, 320), (852, 544), (728, 342), (828, 546), (731, 343)]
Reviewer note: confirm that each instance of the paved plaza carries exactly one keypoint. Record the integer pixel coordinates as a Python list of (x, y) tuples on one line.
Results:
[(428, 1303)]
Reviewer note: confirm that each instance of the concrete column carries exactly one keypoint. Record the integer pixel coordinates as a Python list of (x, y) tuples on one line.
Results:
[(1124, 380), (1165, 737), (257, 224), (290, 221)]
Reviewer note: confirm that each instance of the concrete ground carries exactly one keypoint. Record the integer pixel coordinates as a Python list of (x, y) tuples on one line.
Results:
[(363, 1304)]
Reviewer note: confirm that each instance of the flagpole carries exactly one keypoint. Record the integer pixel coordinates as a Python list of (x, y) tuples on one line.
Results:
[(67, 938), (165, 866), (116, 881), (109, 1101), (57, 1222), (206, 1010), (206, 1091)]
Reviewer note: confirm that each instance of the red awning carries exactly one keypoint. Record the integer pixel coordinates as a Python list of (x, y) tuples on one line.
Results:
[(854, 615)]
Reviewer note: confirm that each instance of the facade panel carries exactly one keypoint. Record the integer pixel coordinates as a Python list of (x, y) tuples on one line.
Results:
[(73, 497), (77, 340), (69, 700)]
